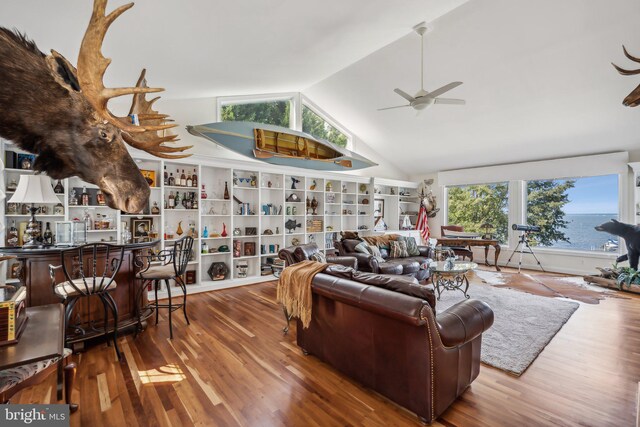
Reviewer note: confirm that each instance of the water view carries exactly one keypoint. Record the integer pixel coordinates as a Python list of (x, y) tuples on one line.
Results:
[(582, 235)]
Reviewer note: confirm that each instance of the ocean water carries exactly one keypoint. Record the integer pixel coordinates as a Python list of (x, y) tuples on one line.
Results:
[(582, 235)]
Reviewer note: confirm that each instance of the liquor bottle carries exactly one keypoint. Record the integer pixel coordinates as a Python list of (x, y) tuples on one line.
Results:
[(85, 196), (187, 202), (87, 219), (172, 180), (177, 201), (195, 202), (183, 179), (205, 248), (172, 201), (166, 176), (194, 179), (155, 209), (12, 235), (47, 237), (178, 178), (59, 188), (100, 198), (189, 181), (226, 191)]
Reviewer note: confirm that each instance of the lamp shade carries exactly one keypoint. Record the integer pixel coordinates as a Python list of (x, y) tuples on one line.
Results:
[(34, 189)]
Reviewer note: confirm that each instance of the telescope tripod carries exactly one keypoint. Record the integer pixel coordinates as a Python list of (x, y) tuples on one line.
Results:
[(526, 249)]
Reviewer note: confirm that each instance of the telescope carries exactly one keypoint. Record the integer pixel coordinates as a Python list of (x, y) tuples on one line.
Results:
[(526, 228)]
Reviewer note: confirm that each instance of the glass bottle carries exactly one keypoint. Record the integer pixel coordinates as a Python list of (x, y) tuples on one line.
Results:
[(87, 219), (172, 201), (205, 248), (194, 178), (205, 232), (183, 179), (155, 209), (195, 201), (73, 198), (177, 205), (12, 235), (226, 191), (166, 176), (189, 182), (172, 180), (85, 196), (47, 237), (59, 188), (100, 198), (203, 193)]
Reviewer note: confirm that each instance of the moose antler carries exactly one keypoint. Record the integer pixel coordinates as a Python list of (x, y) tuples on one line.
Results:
[(92, 66), (149, 118), (622, 70)]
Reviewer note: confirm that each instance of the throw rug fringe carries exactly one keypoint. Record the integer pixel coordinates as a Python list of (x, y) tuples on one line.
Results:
[(294, 289)]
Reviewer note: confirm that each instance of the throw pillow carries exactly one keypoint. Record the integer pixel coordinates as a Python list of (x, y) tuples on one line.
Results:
[(412, 246), (363, 247), (399, 249), (375, 251), (319, 257)]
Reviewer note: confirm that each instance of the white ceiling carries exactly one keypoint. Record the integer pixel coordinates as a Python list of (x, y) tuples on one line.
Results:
[(201, 48), (537, 80)]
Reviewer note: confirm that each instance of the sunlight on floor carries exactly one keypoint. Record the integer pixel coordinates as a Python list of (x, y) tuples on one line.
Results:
[(165, 374)]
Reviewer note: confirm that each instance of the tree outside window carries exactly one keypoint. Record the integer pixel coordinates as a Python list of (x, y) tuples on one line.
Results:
[(276, 113), (315, 125)]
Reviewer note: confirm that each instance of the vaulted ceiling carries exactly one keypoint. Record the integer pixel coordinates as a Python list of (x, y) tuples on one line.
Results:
[(537, 75)]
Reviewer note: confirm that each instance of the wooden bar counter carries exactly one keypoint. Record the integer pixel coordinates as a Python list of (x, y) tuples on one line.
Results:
[(34, 274)]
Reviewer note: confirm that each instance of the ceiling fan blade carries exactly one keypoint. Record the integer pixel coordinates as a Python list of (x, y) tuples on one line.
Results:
[(405, 95), (443, 89), (391, 108), (450, 101)]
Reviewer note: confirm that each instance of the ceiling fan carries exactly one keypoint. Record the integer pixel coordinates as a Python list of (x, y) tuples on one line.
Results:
[(423, 99)]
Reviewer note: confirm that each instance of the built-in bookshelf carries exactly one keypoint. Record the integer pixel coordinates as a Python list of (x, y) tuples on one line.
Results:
[(394, 200), (263, 209)]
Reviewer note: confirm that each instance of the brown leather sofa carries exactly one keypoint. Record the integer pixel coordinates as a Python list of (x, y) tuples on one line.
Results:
[(294, 254), (392, 342), (412, 266)]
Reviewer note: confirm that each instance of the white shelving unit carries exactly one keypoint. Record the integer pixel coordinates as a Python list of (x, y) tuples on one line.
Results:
[(400, 199)]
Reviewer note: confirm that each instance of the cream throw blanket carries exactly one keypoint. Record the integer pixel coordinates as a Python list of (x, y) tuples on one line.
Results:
[(294, 289)]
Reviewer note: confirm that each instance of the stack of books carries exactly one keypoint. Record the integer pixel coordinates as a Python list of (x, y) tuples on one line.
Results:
[(13, 317)]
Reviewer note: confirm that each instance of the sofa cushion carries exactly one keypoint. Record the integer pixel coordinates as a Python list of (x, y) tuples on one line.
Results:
[(390, 268), (319, 257), (403, 284), (412, 246), (399, 249), (340, 271), (350, 245), (363, 247)]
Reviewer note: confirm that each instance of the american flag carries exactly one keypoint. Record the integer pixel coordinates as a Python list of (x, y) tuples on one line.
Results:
[(423, 222)]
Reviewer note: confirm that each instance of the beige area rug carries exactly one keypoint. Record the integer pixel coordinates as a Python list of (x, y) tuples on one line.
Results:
[(547, 285)]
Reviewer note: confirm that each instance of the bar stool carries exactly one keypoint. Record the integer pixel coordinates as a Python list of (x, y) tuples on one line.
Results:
[(173, 266), (87, 272)]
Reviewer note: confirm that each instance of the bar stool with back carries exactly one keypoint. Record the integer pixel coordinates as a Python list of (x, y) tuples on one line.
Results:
[(88, 273), (173, 266)]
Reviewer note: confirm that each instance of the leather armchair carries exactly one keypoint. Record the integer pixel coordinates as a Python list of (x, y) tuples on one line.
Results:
[(392, 342), (294, 254)]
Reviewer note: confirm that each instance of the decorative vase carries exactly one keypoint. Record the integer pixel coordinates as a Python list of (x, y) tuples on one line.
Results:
[(224, 230), (205, 232), (179, 230), (226, 191)]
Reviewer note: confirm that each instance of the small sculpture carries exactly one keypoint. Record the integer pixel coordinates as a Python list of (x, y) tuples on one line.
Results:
[(295, 241), (291, 225), (294, 181), (307, 205), (313, 186), (268, 232), (314, 206), (218, 271), (329, 186), (631, 236)]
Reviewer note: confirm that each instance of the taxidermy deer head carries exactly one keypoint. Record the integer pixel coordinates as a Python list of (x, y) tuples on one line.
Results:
[(59, 113), (633, 99)]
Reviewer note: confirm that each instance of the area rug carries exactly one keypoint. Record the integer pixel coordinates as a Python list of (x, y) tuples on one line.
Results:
[(523, 324), (547, 284)]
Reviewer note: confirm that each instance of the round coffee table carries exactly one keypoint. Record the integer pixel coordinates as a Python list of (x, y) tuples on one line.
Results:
[(451, 276)]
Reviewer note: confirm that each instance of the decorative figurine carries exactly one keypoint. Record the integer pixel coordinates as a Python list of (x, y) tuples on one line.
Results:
[(155, 209), (73, 198), (329, 186), (314, 206), (179, 230), (313, 186), (344, 188), (307, 205), (254, 180), (291, 225), (237, 231), (295, 241), (294, 181), (269, 184)]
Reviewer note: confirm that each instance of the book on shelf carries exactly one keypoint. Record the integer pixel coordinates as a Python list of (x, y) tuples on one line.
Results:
[(12, 313)]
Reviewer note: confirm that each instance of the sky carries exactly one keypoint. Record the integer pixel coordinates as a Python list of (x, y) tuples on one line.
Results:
[(595, 194)]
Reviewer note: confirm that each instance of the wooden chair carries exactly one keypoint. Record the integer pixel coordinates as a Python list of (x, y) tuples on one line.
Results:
[(173, 265), (87, 273), (462, 251)]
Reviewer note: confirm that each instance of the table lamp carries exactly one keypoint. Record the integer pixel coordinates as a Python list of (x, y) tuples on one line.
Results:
[(33, 189)]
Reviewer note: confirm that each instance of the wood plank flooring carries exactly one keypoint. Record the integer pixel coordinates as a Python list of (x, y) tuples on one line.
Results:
[(233, 367)]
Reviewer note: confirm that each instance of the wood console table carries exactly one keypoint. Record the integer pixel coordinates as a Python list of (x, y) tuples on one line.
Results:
[(34, 274), (486, 243)]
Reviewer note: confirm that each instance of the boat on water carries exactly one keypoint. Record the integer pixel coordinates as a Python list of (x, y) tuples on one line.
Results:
[(280, 146), (610, 246)]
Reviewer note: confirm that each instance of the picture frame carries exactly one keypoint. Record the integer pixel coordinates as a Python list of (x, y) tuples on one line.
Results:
[(250, 231), (150, 176), (378, 208), (140, 229), (190, 277), (249, 248)]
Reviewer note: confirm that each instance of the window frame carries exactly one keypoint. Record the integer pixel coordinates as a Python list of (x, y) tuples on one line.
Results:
[(306, 102), (222, 101)]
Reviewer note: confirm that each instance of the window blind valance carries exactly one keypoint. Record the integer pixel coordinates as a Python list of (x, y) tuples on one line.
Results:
[(571, 167)]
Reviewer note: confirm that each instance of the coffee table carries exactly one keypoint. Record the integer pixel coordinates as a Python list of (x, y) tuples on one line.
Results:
[(451, 276)]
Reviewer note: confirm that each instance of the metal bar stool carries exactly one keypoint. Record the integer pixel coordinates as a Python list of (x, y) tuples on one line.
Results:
[(87, 272), (173, 265)]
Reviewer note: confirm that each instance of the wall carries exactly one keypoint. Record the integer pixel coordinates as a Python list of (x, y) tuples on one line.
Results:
[(551, 260)]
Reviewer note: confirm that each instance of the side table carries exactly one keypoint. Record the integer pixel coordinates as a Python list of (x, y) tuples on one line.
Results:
[(446, 275)]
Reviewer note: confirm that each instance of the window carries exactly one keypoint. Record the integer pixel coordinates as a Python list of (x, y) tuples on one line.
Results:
[(472, 206), (315, 125), (567, 210), (277, 112)]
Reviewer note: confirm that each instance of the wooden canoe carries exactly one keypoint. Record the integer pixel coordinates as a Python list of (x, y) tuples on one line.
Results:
[(280, 146)]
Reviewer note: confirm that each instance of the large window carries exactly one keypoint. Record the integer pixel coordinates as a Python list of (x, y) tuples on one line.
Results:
[(473, 206), (315, 125), (276, 113), (567, 210)]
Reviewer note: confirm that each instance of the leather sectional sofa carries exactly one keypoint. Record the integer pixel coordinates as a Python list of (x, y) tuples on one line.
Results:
[(413, 265), (382, 331)]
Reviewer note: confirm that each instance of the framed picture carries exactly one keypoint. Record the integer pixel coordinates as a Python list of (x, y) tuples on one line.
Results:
[(250, 231), (150, 176), (249, 248), (191, 277), (25, 161), (378, 208), (140, 228)]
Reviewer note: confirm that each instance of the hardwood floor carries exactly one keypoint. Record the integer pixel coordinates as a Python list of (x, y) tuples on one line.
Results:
[(233, 366)]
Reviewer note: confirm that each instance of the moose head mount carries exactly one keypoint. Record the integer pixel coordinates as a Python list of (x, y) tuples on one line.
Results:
[(633, 99), (60, 113)]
